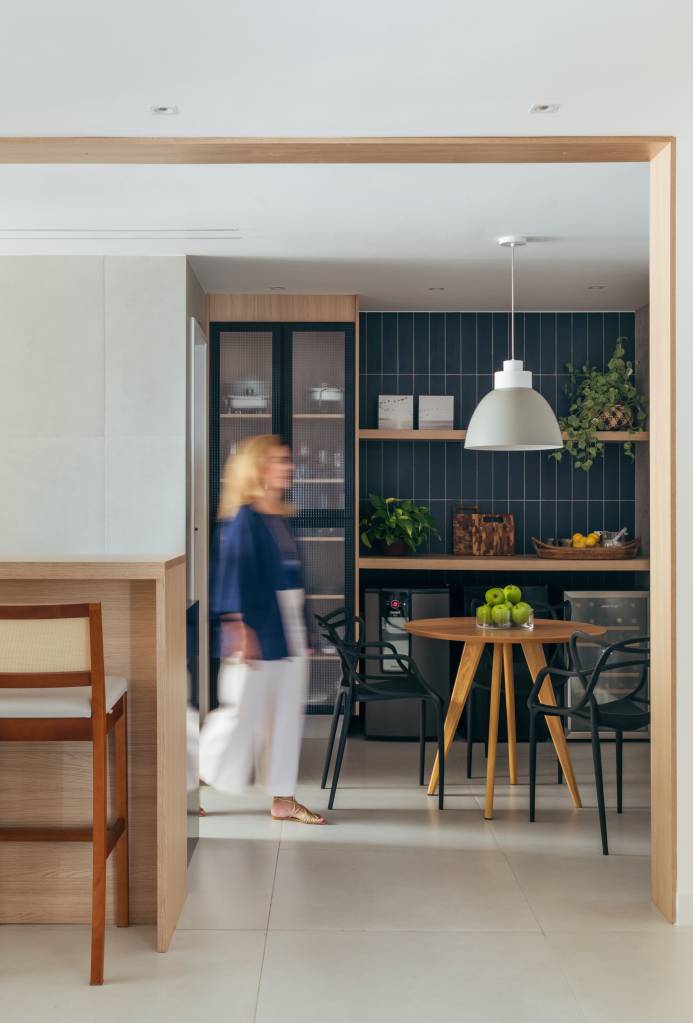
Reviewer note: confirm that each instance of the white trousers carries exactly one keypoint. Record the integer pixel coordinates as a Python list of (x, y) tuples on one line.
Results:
[(258, 726)]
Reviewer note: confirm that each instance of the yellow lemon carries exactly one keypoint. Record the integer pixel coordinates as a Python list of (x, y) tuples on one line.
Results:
[(591, 540)]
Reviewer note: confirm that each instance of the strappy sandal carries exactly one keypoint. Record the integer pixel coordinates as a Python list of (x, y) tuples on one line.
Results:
[(301, 814)]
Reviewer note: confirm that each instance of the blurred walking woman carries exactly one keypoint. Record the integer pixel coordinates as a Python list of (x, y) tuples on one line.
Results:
[(258, 600)]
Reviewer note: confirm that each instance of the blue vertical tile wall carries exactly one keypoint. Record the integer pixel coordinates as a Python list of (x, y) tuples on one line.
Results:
[(456, 353)]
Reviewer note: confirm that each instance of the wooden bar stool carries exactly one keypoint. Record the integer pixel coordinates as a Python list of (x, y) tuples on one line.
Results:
[(53, 688)]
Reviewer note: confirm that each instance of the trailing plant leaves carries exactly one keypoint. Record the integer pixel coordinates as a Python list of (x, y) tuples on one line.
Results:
[(594, 393)]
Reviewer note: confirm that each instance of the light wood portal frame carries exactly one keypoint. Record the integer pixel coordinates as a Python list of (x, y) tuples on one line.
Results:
[(659, 152)]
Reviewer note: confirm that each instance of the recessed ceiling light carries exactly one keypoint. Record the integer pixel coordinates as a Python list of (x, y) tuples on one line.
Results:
[(544, 108), (436, 289), (277, 287), (596, 287), (163, 111)]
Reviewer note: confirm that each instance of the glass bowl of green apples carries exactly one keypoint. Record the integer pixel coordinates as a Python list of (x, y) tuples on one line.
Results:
[(505, 609)]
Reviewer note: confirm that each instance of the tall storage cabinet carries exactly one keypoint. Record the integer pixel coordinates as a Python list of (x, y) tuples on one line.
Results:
[(296, 380)]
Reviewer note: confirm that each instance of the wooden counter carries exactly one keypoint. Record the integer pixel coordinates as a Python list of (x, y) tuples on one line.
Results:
[(143, 601)]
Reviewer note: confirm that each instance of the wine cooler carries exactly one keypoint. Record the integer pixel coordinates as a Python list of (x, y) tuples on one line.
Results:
[(625, 615), (296, 380)]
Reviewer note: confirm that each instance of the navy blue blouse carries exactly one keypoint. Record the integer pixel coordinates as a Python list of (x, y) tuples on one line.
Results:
[(256, 555)]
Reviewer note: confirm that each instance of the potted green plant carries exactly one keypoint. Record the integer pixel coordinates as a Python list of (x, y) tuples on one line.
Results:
[(396, 526), (601, 400)]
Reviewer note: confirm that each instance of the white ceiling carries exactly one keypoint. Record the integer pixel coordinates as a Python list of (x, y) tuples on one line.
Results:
[(359, 68), (396, 67), (387, 233)]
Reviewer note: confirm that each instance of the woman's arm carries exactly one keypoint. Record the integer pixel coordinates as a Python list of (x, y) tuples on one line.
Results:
[(236, 566)]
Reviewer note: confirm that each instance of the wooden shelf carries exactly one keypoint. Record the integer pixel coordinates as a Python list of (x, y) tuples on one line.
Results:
[(610, 436), (318, 415), (618, 436), (298, 483), (412, 434), (516, 563), (245, 415), (324, 596), (320, 539)]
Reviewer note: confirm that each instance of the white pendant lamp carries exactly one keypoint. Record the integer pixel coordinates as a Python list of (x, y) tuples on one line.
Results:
[(513, 416)]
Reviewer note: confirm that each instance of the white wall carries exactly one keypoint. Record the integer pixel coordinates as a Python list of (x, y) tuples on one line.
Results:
[(92, 405)]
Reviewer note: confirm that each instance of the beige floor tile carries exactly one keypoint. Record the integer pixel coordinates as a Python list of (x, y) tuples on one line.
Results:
[(640, 978), (44, 974), (569, 832), (246, 816), (412, 977), (588, 893), (424, 828), (327, 886), (229, 885)]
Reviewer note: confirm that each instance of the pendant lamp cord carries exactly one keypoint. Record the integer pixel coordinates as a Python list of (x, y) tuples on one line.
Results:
[(512, 301)]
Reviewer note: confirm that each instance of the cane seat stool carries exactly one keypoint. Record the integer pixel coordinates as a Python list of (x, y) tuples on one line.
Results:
[(53, 688)]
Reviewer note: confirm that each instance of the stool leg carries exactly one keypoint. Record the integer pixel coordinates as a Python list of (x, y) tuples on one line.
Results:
[(509, 680), (346, 721), (493, 730), (560, 701), (441, 757), (99, 834), (470, 733), (599, 780), (330, 741), (121, 811), (532, 764), (619, 772)]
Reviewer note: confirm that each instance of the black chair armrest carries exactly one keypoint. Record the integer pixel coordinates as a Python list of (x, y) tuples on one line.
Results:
[(561, 677), (407, 665)]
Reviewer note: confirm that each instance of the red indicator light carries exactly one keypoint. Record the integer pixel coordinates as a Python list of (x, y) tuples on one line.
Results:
[(395, 603)]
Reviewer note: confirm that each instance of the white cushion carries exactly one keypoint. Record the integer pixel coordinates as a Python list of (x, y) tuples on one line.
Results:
[(70, 702)]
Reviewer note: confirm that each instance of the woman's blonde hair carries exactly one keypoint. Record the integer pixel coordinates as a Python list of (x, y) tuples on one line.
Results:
[(241, 482)]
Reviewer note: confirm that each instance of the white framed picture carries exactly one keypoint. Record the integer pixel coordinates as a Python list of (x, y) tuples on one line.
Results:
[(395, 411), (436, 412)]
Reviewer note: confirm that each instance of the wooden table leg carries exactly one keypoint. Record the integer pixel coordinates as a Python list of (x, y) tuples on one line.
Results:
[(509, 683), (493, 731), (534, 655), (471, 655)]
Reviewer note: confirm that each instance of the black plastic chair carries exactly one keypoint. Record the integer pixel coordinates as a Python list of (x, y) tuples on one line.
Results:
[(555, 612), (626, 713), (360, 685)]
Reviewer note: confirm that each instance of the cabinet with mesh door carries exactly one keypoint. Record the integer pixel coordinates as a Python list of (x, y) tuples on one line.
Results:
[(296, 380)]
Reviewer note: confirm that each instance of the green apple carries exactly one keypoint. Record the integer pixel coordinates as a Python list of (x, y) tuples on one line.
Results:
[(483, 615), (512, 593), (521, 613), (495, 596), (500, 614)]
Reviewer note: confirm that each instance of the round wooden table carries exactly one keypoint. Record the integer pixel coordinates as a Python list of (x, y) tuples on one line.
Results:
[(465, 630)]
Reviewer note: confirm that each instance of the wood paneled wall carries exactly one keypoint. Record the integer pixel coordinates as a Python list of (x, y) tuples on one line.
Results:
[(284, 308)]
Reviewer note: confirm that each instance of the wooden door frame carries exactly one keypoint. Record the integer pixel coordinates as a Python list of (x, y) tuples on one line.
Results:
[(659, 152)]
